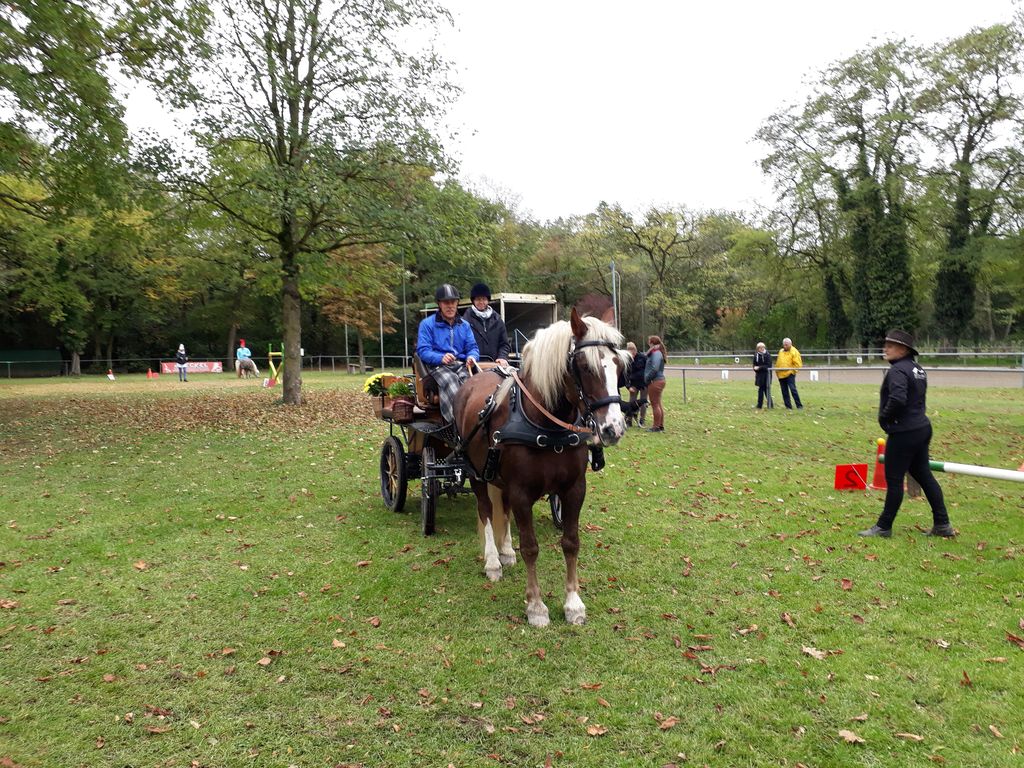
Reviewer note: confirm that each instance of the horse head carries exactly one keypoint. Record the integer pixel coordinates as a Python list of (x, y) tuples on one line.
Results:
[(595, 361)]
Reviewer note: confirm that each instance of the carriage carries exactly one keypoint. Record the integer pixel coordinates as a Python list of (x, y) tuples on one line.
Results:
[(420, 445)]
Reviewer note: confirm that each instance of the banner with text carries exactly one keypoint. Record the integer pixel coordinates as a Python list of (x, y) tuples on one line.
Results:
[(214, 366)]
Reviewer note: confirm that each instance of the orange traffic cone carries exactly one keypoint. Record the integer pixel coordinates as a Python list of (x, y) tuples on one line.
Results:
[(149, 373), (878, 479)]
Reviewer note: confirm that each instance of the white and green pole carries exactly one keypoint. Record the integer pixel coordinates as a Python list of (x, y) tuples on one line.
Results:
[(953, 468)]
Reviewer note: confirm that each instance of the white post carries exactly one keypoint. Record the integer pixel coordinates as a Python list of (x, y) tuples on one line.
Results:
[(381, 306)]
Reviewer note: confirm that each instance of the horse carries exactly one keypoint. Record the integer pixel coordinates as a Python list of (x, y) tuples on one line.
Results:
[(568, 392), (246, 368)]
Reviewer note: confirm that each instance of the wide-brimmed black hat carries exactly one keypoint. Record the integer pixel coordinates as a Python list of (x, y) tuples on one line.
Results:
[(446, 292), (901, 337), (480, 289)]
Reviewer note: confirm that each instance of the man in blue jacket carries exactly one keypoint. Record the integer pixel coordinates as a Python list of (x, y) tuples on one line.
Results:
[(446, 346)]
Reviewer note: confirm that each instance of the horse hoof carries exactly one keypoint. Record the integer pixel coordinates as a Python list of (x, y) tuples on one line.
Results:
[(578, 619), (507, 560), (538, 617), (494, 574)]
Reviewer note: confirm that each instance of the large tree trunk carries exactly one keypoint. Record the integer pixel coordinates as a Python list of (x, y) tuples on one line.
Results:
[(229, 358), (110, 352), (291, 308), (360, 352), (76, 364)]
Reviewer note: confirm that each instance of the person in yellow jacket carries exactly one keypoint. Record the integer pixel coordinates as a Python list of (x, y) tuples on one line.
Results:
[(785, 365)]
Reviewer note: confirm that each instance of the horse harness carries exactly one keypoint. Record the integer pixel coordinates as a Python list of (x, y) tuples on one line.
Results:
[(519, 429)]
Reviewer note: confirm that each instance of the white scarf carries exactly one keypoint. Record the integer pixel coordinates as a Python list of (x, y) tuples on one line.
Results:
[(485, 315)]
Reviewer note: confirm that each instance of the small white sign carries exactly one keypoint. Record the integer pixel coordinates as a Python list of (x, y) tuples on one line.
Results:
[(696, 361), (859, 360), (725, 375), (814, 376), (737, 360)]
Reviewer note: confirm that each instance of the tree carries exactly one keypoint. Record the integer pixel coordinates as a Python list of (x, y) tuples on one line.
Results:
[(972, 108), (856, 133), (312, 110)]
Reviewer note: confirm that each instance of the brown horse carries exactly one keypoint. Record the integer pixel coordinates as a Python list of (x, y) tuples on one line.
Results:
[(570, 376)]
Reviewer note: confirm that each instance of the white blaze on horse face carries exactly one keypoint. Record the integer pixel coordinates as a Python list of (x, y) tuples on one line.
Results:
[(613, 426)]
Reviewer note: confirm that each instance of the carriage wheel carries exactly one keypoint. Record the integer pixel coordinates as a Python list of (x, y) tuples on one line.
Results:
[(428, 493), (556, 510), (393, 480)]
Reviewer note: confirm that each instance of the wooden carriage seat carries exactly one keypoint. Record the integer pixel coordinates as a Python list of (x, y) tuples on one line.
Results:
[(427, 396)]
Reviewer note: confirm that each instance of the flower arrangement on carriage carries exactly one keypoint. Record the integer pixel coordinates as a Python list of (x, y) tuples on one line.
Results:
[(390, 392)]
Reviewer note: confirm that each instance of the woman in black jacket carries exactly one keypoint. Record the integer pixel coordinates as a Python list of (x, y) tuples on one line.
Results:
[(488, 327), (637, 409), (901, 414), (762, 374)]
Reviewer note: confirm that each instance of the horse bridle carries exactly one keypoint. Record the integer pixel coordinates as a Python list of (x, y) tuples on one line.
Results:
[(589, 405)]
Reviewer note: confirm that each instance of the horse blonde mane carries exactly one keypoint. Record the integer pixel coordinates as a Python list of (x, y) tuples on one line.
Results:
[(545, 357)]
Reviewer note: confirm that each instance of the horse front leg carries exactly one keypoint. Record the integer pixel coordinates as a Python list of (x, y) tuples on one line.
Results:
[(502, 525), (536, 611), (484, 509), (572, 503)]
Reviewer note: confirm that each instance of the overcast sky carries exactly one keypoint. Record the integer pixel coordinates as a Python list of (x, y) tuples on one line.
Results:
[(570, 102)]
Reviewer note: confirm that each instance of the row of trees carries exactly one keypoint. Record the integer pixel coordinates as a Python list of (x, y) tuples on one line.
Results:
[(313, 192)]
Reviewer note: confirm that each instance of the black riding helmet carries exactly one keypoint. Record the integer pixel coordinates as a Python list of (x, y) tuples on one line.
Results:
[(446, 292)]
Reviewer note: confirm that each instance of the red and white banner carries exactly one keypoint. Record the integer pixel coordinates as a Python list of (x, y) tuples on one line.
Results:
[(214, 366)]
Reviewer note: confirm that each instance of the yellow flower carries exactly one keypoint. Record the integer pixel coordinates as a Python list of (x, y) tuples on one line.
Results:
[(374, 384)]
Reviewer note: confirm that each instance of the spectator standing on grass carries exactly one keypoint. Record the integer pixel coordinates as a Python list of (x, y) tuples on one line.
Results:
[(654, 378), (786, 365), (637, 386), (181, 363), (901, 413), (762, 373)]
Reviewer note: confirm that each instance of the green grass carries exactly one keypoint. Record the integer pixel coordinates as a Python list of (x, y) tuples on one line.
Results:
[(158, 540)]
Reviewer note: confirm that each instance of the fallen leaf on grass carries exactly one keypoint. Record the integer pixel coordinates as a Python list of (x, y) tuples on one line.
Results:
[(373, 621), (140, 565), (100, 742), (364, 563), (596, 730), (788, 620), (850, 737), (266, 661), (846, 584), (861, 717), (156, 730), (668, 722), (814, 653), (995, 732), (909, 736), (965, 681), (9, 605), (996, 659), (1018, 641)]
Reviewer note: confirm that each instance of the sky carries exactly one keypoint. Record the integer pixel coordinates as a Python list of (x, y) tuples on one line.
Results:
[(567, 103)]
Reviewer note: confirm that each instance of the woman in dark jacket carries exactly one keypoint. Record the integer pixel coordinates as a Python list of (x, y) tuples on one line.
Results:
[(901, 414), (637, 386), (762, 374), (488, 327)]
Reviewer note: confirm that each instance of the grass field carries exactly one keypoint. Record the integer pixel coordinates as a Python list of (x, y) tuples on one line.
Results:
[(194, 575)]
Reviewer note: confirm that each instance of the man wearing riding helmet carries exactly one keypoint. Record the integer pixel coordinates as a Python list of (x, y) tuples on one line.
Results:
[(446, 345)]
